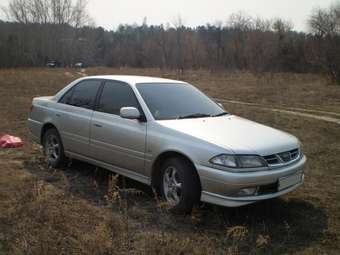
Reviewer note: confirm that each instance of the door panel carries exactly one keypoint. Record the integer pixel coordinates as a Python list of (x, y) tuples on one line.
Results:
[(75, 128), (118, 141)]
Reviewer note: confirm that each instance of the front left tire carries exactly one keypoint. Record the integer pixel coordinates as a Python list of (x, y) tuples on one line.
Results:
[(180, 185)]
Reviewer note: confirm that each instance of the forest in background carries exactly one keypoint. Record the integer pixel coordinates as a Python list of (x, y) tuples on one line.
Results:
[(61, 30)]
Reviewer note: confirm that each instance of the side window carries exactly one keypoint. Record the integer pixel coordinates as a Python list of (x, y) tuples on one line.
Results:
[(83, 94), (116, 95), (66, 99)]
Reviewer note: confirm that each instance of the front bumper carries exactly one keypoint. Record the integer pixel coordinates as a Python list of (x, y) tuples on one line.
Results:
[(222, 187)]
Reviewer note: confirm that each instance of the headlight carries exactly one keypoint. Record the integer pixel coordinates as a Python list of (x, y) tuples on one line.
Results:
[(224, 160), (238, 161), (251, 161)]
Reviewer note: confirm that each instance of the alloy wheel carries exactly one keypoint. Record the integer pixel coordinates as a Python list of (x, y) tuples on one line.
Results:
[(52, 148), (172, 186)]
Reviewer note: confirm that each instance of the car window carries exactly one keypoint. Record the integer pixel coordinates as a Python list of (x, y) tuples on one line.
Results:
[(178, 100), (66, 98), (83, 94), (116, 95)]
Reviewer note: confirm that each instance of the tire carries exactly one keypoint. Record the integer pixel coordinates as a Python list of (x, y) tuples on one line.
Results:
[(54, 149), (180, 185)]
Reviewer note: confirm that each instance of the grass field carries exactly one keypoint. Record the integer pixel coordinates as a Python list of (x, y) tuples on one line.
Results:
[(85, 210)]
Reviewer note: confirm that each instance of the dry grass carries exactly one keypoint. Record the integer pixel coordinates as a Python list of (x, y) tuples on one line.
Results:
[(85, 210)]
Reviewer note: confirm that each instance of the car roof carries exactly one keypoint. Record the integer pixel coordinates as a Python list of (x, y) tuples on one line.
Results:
[(133, 79)]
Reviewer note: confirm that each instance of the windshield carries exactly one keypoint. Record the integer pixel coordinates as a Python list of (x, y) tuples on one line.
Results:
[(168, 101)]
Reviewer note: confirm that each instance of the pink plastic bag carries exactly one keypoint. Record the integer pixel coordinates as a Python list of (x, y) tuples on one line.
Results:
[(8, 141)]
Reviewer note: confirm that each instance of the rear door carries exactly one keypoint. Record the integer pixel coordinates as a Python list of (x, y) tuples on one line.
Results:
[(114, 140), (75, 110)]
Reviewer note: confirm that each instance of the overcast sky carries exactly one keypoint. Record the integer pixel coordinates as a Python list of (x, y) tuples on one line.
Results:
[(111, 13)]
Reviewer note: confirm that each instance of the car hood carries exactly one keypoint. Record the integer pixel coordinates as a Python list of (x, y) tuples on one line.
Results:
[(239, 135)]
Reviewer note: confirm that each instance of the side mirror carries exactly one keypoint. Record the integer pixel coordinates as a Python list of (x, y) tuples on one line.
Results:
[(130, 113)]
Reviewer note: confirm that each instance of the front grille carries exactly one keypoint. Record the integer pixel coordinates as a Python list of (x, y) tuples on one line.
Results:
[(272, 160), (283, 157)]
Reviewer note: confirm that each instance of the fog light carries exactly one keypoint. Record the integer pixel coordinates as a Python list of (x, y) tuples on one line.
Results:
[(247, 192)]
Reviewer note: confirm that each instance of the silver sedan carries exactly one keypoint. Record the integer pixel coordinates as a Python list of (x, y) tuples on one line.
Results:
[(170, 135)]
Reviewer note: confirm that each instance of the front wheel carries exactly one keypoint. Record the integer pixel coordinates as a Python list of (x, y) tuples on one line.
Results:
[(53, 148), (180, 185)]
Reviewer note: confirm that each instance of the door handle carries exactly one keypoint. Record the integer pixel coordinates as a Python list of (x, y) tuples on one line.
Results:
[(97, 125), (58, 115)]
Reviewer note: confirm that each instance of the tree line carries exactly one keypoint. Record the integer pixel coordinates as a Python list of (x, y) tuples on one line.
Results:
[(61, 30)]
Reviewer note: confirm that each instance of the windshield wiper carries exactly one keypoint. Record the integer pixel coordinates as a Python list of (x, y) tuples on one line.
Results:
[(195, 115), (221, 114)]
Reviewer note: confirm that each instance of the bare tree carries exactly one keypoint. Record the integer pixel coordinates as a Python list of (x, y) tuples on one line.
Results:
[(240, 21), (59, 12), (163, 43), (325, 52), (282, 26), (4, 12), (179, 27), (18, 10), (325, 22), (240, 24), (80, 16), (263, 25)]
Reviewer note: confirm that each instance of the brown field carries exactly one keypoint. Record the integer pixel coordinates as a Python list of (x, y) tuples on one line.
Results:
[(85, 210)]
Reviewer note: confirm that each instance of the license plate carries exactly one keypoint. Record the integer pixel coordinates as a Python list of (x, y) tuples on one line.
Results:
[(289, 181)]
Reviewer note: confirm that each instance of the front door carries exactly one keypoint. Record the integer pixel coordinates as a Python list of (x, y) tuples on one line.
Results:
[(114, 140)]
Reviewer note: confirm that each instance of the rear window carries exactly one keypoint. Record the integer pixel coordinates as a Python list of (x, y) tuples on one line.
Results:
[(82, 95)]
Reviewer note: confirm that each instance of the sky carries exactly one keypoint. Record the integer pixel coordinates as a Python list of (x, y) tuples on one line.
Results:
[(110, 13)]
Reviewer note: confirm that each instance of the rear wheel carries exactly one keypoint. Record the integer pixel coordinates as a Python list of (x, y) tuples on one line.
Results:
[(53, 148), (180, 185)]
